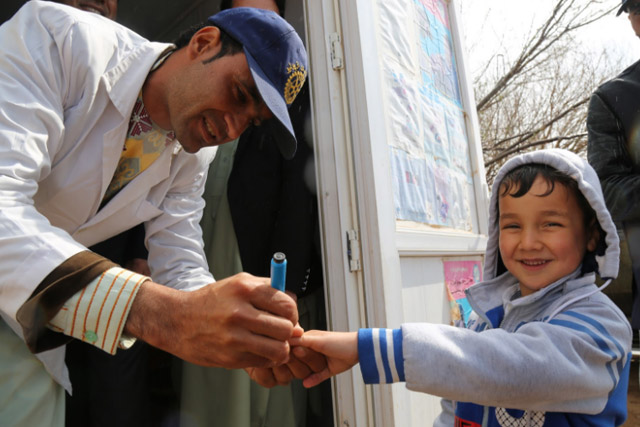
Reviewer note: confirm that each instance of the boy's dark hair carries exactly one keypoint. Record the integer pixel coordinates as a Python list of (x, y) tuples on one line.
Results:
[(227, 4), (229, 45), (518, 181)]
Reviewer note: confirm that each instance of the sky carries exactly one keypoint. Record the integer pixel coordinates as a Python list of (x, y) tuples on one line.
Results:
[(485, 23)]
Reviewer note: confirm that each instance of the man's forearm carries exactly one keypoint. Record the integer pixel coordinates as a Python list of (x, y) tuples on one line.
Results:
[(237, 322), (152, 317)]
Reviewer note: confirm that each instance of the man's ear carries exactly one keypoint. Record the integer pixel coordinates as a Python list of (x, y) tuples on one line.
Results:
[(205, 41)]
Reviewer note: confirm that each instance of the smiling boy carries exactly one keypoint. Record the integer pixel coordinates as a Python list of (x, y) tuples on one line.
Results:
[(544, 234), (543, 346)]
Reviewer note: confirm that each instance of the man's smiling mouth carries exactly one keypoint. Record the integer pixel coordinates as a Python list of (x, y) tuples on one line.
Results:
[(211, 136)]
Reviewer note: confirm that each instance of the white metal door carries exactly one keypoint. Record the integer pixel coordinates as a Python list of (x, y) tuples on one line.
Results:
[(337, 198), (356, 201)]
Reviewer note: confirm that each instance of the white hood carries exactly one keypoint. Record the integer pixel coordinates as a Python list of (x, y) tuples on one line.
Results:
[(588, 183)]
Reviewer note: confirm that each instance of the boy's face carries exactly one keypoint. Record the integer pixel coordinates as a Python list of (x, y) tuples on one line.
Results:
[(542, 238)]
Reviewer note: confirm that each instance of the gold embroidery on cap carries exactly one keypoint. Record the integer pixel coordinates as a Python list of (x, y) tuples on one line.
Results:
[(297, 75)]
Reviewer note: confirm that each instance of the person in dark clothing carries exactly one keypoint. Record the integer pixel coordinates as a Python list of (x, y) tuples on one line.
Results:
[(613, 124), (257, 203)]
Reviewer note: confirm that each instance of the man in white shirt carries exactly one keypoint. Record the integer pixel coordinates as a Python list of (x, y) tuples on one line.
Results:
[(77, 90)]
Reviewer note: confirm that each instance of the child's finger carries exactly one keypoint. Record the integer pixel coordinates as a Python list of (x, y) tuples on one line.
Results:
[(298, 368), (315, 361), (315, 379), (308, 339), (295, 341)]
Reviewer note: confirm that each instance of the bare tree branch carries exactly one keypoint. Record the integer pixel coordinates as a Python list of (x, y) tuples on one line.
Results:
[(559, 25), (532, 144), (540, 98), (530, 134)]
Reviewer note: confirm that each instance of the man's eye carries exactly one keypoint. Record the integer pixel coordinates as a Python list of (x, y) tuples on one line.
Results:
[(240, 96)]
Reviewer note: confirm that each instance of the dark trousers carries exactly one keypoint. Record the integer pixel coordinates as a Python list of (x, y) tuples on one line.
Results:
[(108, 390), (632, 234)]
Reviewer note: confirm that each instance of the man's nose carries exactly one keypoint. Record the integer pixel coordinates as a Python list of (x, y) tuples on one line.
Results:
[(237, 123)]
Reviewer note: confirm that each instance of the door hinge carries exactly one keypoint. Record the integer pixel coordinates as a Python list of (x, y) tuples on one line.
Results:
[(353, 250), (337, 56)]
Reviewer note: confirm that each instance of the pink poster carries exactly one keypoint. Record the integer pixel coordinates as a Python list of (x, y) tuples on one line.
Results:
[(458, 276)]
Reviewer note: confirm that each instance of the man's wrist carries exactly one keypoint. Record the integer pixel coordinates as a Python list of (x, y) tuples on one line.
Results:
[(151, 316)]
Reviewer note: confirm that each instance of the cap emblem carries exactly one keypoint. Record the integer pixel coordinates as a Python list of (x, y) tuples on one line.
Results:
[(297, 75)]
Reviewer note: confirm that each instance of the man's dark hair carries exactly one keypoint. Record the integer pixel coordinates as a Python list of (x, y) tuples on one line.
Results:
[(228, 4), (229, 45), (517, 182)]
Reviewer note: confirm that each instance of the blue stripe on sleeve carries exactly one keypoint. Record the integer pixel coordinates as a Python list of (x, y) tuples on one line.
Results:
[(598, 326), (397, 350), (367, 358), (597, 339), (388, 378), (603, 331)]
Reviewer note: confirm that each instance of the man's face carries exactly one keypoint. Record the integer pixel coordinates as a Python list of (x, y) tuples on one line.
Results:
[(211, 103), (542, 238), (633, 10), (106, 8)]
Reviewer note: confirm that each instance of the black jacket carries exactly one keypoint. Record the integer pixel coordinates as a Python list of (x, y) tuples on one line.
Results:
[(273, 203), (613, 124)]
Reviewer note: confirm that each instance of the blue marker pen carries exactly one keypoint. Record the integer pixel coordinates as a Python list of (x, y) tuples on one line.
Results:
[(278, 271)]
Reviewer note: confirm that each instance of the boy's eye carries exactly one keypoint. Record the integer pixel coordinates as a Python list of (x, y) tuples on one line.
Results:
[(509, 226), (553, 224)]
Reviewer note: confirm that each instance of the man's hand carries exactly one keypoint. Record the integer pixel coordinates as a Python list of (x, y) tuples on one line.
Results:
[(302, 363), (234, 323), (340, 349)]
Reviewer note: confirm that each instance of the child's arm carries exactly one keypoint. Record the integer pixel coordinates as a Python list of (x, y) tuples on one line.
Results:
[(571, 364), (340, 349), (379, 352)]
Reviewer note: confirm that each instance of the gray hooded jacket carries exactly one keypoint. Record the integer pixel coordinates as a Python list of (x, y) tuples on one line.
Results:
[(557, 357)]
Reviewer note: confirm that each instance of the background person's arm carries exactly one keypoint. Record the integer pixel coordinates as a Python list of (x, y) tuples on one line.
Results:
[(609, 154)]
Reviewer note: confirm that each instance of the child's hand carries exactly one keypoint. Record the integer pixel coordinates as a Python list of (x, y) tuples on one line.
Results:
[(298, 366), (340, 349)]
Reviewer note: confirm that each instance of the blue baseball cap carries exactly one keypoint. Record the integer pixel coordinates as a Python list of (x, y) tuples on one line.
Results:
[(277, 59)]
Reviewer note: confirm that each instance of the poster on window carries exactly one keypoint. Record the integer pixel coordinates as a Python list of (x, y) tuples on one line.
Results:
[(428, 144), (458, 276)]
